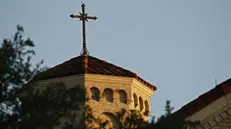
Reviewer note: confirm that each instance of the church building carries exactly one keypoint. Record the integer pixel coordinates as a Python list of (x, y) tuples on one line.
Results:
[(212, 109), (109, 87)]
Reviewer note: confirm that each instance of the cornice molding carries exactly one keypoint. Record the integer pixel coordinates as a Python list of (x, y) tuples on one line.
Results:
[(61, 79), (108, 79), (142, 87)]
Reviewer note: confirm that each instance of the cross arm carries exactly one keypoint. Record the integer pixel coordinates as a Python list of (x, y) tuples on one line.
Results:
[(92, 17), (75, 16), (79, 16)]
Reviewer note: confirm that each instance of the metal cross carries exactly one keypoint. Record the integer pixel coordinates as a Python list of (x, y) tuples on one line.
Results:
[(83, 17)]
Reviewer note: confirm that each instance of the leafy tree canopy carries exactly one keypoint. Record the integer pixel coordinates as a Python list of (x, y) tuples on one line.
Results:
[(15, 71)]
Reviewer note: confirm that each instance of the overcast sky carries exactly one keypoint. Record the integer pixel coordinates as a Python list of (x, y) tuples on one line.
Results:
[(180, 46)]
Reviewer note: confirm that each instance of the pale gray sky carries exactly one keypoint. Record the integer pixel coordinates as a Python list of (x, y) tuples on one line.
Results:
[(180, 46)]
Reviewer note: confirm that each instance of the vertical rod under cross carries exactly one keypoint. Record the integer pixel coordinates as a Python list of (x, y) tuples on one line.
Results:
[(85, 52)]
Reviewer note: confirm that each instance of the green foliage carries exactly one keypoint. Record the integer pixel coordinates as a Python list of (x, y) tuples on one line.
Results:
[(168, 108), (134, 120), (171, 121), (93, 122), (15, 71), (57, 104), (130, 119)]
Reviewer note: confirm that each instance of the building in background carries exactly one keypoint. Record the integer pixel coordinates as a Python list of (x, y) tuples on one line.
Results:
[(212, 109)]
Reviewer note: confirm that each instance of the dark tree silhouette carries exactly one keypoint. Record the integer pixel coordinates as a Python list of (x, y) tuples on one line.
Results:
[(15, 71), (171, 120), (55, 106)]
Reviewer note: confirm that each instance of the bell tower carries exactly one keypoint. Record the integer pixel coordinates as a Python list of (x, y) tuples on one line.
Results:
[(109, 87)]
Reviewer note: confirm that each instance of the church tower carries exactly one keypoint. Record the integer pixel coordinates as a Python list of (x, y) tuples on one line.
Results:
[(109, 87)]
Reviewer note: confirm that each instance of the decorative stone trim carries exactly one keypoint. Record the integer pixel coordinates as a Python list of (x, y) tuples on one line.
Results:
[(206, 126), (224, 115), (216, 118)]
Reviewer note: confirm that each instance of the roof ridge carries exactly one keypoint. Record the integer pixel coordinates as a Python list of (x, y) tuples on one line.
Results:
[(91, 65), (206, 98)]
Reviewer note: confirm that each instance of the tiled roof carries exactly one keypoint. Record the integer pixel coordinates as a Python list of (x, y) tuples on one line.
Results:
[(206, 99), (76, 66)]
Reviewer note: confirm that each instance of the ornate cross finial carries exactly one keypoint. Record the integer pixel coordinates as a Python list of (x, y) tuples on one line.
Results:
[(83, 17)]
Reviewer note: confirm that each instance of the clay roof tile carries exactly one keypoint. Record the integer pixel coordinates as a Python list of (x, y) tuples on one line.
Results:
[(74, 66), (205, 99)]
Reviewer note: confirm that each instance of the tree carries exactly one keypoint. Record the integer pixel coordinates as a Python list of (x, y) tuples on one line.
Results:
[(171, 120), (61, 107), (15, 71), (134, 120), (56, 103), (93, 122), (24, 106), (131, 119)]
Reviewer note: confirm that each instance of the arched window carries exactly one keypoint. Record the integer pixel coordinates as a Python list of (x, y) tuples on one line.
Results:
[(141, 103), (135, 99), (108, 93), (95, 93), (123, 96), (146, 106)]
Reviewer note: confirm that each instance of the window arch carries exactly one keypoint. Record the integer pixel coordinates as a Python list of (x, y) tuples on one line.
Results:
[(95, 93), (108, 93), (141, 103), (123, 96), (146, 106), (135, 99)]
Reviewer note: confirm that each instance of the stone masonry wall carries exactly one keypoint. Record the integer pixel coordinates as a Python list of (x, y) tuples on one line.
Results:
[(216, 115), (87, 81)]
